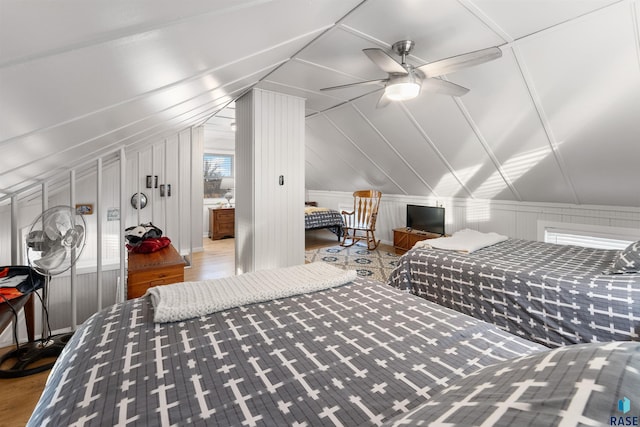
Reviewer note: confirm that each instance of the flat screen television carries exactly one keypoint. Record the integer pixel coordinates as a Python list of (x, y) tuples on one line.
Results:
[(426, 218)]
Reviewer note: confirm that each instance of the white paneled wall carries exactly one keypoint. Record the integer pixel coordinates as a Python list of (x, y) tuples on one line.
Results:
[(176, 160), (30, 205), (269, 212), (514, 219), (59, 301)]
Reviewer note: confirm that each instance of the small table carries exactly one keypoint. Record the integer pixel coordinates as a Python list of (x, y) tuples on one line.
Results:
[(404, 238), (222, 223), (158, 268), (6, 314)]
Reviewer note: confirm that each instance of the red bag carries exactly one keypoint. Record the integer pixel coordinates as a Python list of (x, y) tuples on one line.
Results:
[(150, 245)]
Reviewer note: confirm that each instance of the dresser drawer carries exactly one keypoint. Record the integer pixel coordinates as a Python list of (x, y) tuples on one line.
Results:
[(137, 289), (226, 216), (155, 269)]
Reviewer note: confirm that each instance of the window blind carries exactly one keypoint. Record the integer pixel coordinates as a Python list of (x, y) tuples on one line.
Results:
[(586, 239), (220, 165)]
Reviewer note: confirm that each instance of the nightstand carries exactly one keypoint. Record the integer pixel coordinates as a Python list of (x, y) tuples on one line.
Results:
[(158, 268), (404, 238), (222, 223)]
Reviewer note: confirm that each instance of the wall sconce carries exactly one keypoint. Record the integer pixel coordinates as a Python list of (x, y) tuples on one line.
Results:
[(165, 190), (152, 181), (233, 126)]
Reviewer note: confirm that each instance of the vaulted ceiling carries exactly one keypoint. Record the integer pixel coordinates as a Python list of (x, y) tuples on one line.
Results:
[(555, 119)]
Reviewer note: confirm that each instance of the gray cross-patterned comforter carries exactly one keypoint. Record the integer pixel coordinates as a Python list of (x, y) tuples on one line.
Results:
[(329, 218), (552, 294), (354, 355)]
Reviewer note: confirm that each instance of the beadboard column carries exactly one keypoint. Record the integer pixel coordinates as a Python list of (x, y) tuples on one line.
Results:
[(269, 181)]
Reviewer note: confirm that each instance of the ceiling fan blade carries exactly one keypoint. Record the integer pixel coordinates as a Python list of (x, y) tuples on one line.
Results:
[(368, 82), (444, 87), (384, 61), (383, 101), (455, 63)]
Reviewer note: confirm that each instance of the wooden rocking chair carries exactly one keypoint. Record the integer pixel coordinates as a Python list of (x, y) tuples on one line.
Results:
[(360, 224)]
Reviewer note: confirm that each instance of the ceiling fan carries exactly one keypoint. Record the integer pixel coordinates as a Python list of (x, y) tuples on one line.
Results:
[(405, 81)]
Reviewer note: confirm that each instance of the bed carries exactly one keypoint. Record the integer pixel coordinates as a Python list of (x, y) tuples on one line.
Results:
[(354, 353), (551, 294), (318, 217)]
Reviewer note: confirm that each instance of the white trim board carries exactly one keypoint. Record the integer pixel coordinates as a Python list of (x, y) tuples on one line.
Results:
[(604, 231)]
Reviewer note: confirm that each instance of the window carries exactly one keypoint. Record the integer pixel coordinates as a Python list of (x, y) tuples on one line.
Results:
[(563, 238), (215, 168), (591, 236)]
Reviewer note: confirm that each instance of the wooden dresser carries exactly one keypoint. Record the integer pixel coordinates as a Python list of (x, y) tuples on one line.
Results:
[(162, 267), (222, 223), (404, 239)]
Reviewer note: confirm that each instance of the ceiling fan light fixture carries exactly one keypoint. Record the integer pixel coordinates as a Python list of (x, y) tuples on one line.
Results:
[(404, 80), (402, 91)]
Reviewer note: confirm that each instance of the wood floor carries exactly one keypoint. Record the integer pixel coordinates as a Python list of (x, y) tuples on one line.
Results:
[(18, 396)]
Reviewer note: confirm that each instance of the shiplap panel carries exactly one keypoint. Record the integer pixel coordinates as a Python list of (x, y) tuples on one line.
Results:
[(177, 161), (269, 216), (86, 293), (183, 241), (156, 167), (244, 184), (5, 234), (196, 180), (170, 204), (526, 224), (146, 163), (500, 221), (455, 215), (278, 152)]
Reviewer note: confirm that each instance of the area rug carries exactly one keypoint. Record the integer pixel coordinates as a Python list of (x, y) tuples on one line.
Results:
[(376, 264)]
